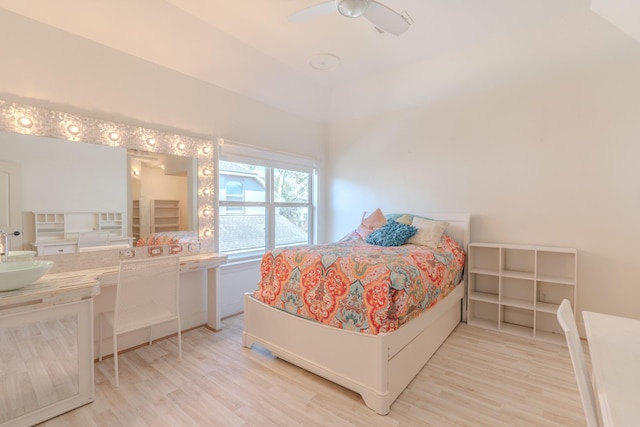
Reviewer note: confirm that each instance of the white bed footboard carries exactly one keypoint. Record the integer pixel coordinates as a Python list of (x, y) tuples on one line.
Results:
[(378, 367)]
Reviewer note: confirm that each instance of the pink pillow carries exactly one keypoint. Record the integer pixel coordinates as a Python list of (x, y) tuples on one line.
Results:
[(371, 223)]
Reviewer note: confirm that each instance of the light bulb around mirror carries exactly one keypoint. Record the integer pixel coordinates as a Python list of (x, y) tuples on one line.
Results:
[(73, 129), (25, 122)]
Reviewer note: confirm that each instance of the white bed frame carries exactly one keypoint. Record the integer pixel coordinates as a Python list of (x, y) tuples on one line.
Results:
[(378, 367)]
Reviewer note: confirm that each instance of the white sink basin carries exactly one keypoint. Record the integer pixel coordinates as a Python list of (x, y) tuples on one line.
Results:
[(21, 254), (17, 274)]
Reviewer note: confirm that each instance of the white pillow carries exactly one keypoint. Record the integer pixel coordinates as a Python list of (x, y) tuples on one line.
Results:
[(429, 232)]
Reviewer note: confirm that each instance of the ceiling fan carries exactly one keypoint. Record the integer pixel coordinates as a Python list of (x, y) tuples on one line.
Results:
[(384, 18)]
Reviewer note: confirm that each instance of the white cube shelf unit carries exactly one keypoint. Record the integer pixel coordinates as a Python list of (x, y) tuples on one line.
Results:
[(518, 288)]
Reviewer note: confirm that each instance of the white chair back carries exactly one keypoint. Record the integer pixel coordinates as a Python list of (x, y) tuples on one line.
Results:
[(147, 294), (567, 322)]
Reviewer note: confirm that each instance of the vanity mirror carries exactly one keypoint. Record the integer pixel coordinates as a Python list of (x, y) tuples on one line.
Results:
[(72, 163)]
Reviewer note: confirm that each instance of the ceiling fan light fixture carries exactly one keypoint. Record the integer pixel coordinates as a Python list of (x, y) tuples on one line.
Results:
[(352, 8)]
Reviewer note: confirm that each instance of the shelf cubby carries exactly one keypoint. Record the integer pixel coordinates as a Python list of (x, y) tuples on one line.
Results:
[(484, 314)]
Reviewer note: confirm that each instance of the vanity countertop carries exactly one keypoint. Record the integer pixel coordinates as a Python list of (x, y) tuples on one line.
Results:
[(51, 289), (74, 285), (109, 276)]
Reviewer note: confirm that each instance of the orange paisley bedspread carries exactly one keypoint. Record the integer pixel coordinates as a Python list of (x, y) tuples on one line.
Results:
[(356, 286)]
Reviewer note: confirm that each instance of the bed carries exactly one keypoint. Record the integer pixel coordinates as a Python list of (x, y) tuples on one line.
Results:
[(377, 363), (162, 238)]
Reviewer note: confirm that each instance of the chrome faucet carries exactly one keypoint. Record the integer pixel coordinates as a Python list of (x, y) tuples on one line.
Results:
[(4, 244)]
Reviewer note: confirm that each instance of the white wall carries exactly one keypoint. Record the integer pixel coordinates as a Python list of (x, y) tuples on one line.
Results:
[(237, 279), (550, 161)]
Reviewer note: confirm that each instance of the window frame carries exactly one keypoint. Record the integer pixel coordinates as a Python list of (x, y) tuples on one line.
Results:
[(270, 160)]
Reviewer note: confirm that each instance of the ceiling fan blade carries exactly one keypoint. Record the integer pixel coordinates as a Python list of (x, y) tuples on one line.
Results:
[(313, 12), (388, 20)]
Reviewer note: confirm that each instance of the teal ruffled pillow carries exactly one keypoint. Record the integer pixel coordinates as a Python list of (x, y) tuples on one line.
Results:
[(392, 233)]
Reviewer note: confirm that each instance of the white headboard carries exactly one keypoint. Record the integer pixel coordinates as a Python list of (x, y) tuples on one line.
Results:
[(460, 229)]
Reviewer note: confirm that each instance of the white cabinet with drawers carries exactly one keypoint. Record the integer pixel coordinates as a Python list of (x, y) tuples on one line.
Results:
[(58, 232)]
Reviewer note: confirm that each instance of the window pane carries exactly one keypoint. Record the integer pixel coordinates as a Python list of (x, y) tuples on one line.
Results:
[(243, 233), (292, 226), (291, 186), (241, 182), (249, 194)]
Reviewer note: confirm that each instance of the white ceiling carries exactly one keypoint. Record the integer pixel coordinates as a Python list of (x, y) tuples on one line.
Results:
[(250, 47)]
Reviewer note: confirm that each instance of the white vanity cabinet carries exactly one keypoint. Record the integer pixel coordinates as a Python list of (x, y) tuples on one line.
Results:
[(46, 332), (518, 288), (58, 232)]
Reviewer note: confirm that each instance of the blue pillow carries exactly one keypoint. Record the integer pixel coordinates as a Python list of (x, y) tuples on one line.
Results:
[(391, 234)]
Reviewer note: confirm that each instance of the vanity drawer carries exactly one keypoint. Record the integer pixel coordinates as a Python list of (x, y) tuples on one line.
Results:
[(57, 249)]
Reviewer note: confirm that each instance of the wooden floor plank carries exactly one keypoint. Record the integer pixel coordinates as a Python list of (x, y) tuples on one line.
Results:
[(477, 378)]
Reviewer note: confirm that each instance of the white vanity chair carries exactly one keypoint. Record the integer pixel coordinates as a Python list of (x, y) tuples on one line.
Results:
[(199, 299), (147, 294)]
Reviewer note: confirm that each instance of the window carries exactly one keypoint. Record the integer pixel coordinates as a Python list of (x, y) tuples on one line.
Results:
[(263, 204), (235, 193)]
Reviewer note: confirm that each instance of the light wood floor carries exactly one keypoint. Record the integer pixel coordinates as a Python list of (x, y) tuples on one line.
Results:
[(477, 378)]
